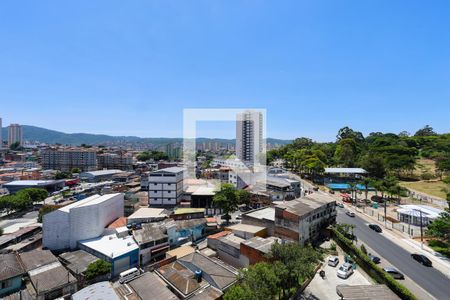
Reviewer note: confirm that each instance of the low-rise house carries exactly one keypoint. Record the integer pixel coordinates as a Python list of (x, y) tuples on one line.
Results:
[(152, 241), (213, 239), (149, 286), (48, 278), (188, 213), (99, 290), (229, 250), (147, 214), (264, 217), (11, 273), (184, 231), (22, 234), (122, 253), (302, 219), (195, 273), (247, 231), (254, 250), (77, 263)]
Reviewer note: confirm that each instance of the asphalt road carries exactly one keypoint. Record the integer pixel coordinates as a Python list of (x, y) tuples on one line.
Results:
[(430, 279)]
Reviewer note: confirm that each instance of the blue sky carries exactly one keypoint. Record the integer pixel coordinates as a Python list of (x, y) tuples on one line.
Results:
[(130, 67)]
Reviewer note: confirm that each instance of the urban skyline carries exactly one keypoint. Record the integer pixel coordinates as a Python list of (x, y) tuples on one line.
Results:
[(314, 66)]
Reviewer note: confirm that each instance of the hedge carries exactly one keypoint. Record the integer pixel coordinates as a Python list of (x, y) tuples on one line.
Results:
[(371, 268)]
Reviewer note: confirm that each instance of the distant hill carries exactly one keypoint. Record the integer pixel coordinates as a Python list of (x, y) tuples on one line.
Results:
[(48, 136)]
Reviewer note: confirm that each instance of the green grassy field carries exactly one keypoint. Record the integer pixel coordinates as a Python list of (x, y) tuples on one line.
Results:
[(433, 188)]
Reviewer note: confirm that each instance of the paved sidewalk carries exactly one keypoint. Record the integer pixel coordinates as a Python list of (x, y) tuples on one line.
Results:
[(440, 262)]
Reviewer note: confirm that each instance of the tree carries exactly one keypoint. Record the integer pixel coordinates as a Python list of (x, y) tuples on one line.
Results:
[(426, 131), (45, 209), (155, 155), (16, 146), (226, 199), (36, 195), (97, 268), (374, 164), (76, 170), (440, 227), (348, 133), (365, 182), (63, 175), (346, 152)]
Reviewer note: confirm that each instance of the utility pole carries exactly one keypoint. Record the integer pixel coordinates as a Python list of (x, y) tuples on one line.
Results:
[(385, 214), (421, 230)]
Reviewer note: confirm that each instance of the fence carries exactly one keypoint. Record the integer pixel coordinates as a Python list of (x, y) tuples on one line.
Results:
[(409, 229), (427, 198)]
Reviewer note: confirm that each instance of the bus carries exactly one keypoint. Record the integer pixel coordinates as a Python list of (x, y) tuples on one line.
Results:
[(128, 275)]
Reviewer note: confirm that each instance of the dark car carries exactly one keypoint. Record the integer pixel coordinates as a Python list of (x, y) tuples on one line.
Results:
[(377, 199), (375, 227), (394, 273), (422, 259), (374, 258)]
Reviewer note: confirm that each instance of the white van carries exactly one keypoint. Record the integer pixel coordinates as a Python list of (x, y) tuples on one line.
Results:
[(333, 261), (128, 275)]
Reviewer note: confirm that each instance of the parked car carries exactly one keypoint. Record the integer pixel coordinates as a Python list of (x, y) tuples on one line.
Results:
[(345, 271), (374, 258), (377, 199), (422, 259), (350, 214), (375, 227), (339, 204), (394, 273), (239, 217), (333, 261)]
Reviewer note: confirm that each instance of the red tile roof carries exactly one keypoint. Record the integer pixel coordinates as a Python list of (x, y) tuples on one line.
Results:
[(219, 235), (120, 222)]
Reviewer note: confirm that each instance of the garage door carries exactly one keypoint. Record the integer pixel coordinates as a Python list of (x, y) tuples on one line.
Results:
[(121, 265)]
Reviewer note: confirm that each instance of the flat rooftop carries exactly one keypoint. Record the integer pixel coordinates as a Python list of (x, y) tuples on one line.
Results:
[(103, 172), (246, 228), (414, 210), (361, 292), (267, 213), (345, 171), (110, 245), (99, 290), (33, 182), (148, 212), (262, 244), (92, 200), (149, 286), (304, 205)]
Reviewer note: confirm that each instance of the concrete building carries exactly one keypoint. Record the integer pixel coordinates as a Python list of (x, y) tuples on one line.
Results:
[(264, 217), (246, 231), (147, 215), (121, 252), (249, 136), (417, 214), (84, 219), (152, 242), (99, 290), (67, 159), (254, 250), (15, 134), (165, 187), (302, 219), (123, 162)]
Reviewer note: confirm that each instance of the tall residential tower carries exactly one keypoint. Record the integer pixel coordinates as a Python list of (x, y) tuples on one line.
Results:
[(15, 134), (249, 136)]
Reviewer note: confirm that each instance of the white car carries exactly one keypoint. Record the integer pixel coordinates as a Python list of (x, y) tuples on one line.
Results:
[(333, 261), (345, 271)]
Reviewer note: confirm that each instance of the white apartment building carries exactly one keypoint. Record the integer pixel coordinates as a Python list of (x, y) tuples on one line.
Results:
[(84, 219), (67, 159), (15, 134), (165, 187), (249, 136)]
